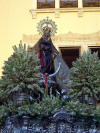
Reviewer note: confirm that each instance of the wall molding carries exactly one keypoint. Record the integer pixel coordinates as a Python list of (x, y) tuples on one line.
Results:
[(76, 38), (61, 10)]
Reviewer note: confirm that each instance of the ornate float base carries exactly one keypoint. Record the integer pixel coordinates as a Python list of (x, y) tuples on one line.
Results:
[(60, 122)]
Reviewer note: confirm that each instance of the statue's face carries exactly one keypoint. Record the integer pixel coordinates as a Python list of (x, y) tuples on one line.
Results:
[(46, 35)]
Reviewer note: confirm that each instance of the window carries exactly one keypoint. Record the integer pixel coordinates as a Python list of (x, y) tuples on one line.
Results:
[(68, 3), (95, 49), (91, 3), (45, 4), (70, 54)]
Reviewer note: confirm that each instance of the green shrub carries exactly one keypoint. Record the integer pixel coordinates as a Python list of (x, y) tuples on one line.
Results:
[(21, 73), (85, 79)]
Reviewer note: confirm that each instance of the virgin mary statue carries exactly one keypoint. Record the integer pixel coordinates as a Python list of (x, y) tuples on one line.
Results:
[(50, 58)]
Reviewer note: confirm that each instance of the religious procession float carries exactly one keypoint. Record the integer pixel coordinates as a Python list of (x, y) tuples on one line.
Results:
[(40, 94)]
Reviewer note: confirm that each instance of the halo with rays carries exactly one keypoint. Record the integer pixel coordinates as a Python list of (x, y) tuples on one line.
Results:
[(47, 23)]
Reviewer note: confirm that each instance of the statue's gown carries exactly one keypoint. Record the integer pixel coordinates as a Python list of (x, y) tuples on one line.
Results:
[(63, 76)]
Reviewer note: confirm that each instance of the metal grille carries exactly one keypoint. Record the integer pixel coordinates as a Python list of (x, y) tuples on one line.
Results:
[(91, 3), (68, 3), (45, 4)]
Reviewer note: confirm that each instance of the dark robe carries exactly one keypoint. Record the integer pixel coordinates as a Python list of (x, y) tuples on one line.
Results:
[(46, 60), (63, 76)]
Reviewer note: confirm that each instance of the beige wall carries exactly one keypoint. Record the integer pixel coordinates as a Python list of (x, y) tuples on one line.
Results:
[(16, 21)]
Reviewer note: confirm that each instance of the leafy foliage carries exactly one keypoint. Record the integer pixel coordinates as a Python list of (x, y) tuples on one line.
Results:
[(4, 112), (21, 73), (85, 78), (46, 107)]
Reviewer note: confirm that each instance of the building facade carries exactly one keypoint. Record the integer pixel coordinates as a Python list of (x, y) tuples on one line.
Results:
[(78, 25)]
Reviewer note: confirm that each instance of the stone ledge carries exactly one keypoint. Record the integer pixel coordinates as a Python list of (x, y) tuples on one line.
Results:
[(57, 11)]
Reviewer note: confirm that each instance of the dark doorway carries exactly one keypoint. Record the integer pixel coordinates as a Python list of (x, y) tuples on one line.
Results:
[(70, 54), (95, 49)]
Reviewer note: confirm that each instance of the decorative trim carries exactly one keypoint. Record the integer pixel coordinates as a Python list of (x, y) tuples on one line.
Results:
[(57, 14), (34, 14), (70, 38), (53, 10), (80, 12), (91, 9), (60, 10), (76, 36)]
